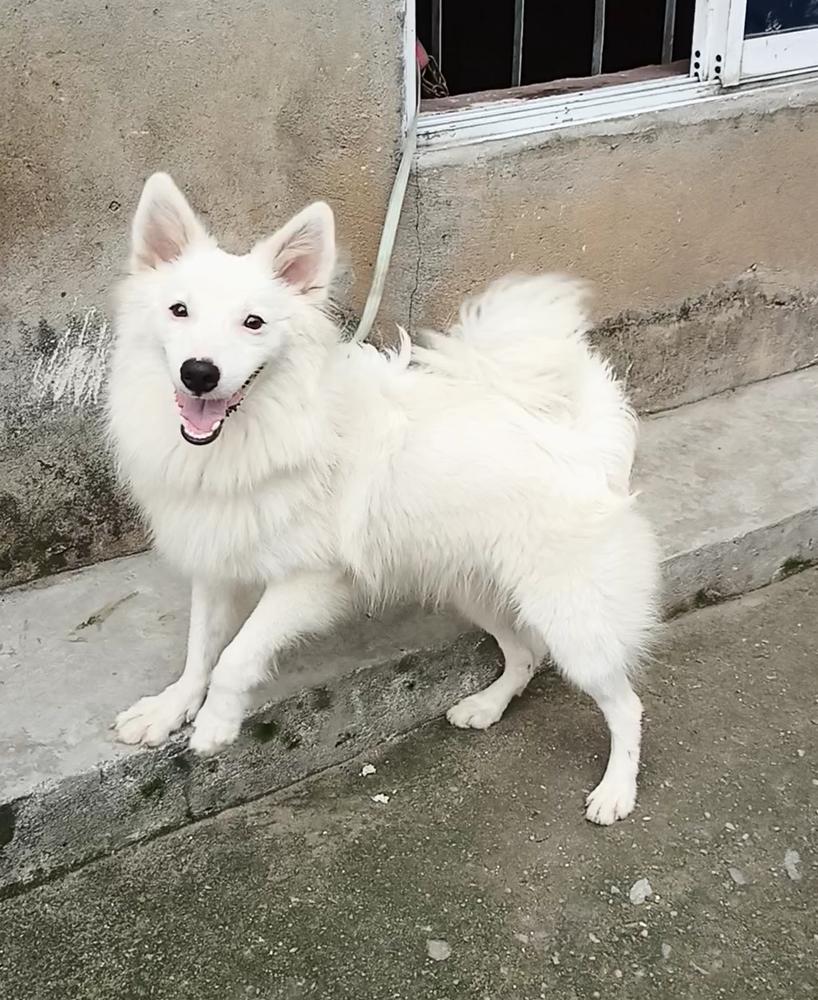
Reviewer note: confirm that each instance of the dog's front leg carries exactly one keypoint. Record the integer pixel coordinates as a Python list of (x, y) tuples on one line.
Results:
[(216, 612), (307, 604)]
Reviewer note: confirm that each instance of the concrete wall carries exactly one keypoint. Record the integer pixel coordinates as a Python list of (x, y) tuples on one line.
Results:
[(255, 108), (697, 227), (698, 236)]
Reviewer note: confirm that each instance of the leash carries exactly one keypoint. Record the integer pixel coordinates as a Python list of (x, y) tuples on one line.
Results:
[(390, 227)]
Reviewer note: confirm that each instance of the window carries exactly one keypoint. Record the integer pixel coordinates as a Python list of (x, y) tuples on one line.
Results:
[(499, 68), (487, 45)]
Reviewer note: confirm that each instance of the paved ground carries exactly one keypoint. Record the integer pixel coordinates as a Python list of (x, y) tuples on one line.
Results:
[(323, 892)]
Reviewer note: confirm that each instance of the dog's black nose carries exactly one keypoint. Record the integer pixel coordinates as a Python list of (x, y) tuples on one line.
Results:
[(199, 375)]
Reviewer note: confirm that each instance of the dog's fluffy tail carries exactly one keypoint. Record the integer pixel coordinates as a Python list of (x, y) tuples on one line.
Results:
[(524, 332), (525, 337)]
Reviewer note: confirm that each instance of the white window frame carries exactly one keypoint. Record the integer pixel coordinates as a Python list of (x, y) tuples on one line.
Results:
[(721, 58), (776, 53)]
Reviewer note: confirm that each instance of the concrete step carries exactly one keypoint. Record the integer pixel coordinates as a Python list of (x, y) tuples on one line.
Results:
[(731, 484)]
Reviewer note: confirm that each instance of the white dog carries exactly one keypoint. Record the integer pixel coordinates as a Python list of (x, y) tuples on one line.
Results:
[(488, 470)]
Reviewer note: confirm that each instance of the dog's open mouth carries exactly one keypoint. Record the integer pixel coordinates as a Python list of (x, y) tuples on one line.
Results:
[(203, 419)]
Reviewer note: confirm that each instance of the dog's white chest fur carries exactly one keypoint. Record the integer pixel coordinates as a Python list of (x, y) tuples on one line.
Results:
[(280, 527)]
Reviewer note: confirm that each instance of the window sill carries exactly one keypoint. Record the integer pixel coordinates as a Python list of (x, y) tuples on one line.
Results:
[(557, 88), (519, 118)]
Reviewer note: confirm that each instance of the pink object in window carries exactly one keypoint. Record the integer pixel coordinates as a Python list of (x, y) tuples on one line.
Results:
[(421, 56)]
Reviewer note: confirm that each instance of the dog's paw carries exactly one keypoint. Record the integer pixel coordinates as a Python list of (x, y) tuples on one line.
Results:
[(151, 720), (478, 711), (612, 799), (213, 731)]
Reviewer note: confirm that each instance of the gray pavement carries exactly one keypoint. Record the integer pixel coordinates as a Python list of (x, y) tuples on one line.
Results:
[(479, 877)]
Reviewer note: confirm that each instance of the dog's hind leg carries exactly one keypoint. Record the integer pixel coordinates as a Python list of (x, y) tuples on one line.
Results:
[(521, 653), (615, 796), (594, 642), (216, 613)]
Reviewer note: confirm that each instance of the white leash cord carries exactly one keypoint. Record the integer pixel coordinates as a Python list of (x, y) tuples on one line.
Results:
[(390, 229)]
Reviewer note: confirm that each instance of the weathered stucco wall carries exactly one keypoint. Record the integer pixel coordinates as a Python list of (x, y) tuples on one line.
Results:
[(698, 235), (254, 108), (699, 238)]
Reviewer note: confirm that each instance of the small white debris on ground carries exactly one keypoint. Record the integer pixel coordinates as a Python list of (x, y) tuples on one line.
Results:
[(640, 890), (738, 876), (367, 769), (593, 938), (438, 951), (792, 859), (380, 797), (666, 950)]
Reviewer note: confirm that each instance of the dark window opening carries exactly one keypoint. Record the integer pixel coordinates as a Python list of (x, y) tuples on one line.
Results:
[(487, 45)]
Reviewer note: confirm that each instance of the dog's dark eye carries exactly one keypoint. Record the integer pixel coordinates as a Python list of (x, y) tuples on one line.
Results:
[(179, 310), (254, 322)]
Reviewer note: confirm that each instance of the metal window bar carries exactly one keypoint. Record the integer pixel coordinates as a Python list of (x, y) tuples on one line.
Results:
[(599, 38), (436, 47), (517, 50), (668, 31), (597, 51)]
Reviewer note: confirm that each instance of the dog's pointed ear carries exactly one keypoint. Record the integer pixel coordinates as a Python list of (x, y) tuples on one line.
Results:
[(302, 253), (164, 224)]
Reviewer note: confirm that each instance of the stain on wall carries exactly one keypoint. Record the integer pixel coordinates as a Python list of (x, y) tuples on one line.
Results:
[(73, 370)]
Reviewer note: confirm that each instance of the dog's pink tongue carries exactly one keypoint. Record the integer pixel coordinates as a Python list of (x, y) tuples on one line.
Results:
[(200, 414)]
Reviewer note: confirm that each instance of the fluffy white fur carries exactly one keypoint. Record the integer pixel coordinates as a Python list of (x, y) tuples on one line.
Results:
[(487, 470)]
